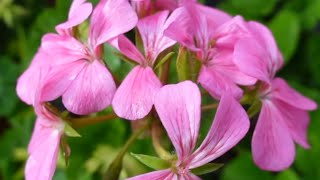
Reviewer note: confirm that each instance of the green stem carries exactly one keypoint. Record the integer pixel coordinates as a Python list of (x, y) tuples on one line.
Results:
[(82, 122), (162, 153), (209, 107), (115, 167)]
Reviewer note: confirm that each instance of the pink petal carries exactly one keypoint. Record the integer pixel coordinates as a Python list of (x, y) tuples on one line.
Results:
[(214, 17), (272, 145), (217, 83), (251, 58), (127, 48), (178, 107), (194, 25), (59, 79), (43, 156), (109, 19), (282, 91), (180, 29), (91, 91), (230, 125), (223, 63), (297, 121), (151, 30), (63, 49), (265, 38), (156, 175), (80, 10), (227, 34), (135, 96), (32, 78)]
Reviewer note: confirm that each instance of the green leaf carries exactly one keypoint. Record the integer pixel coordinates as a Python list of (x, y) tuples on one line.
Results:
[(8, 76), (311, 15), (152, 161), (286, 30), (207, 168), (250, 8), (164, 59), (69, 131), (287, 175), (242, 168)]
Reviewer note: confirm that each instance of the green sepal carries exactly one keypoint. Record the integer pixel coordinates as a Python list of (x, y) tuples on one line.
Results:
[(152, 161), (188, 66), (66, 151), (254, 108), (182, 65), (69, 131), (164, 59), (207, 168), (125, 58)]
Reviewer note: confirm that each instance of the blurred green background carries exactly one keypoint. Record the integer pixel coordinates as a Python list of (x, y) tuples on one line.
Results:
[(295, 24)]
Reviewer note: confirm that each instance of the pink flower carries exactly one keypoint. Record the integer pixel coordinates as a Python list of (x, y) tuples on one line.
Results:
[(44, 145), (77, 71), (212, 34), (30, 79), (283, 118), (135, 97), (178, 107)]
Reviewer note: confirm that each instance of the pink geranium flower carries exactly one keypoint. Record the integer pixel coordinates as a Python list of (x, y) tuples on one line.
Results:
[(135, 96), (212, 34), (179, 110), (33, 76), (283, 119), (44, 145), (77, 71)]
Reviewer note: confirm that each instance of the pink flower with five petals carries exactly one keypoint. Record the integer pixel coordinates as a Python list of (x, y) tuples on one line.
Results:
[(135, 96), (178, 107), (212, 34), (283, 119)]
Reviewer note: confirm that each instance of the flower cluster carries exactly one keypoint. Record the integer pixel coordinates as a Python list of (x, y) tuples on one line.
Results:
[(234, 60)]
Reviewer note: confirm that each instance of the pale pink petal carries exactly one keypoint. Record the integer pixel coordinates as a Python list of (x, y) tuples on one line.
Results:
[(222, 62), (151, 30), (265, 38), (29, 81), (182, 29), (109, 19), (281, 90), (38, 136), (43, 157), (59, 79), (135, 97), (217, 83), (91, 91), (127, 48), (297, 121), (80, 10), (214, 18), (229, 126), (166, 174), (251, 58), (227, 34), (178, 107), (63, 49), (273, 148)]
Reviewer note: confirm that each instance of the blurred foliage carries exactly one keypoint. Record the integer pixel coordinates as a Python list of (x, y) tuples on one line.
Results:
[(295, 24)]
